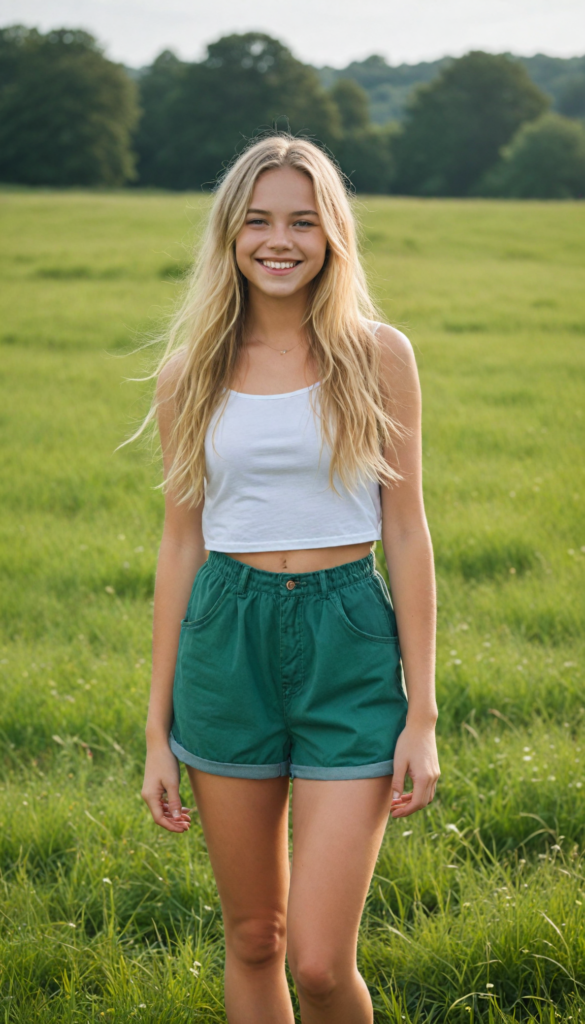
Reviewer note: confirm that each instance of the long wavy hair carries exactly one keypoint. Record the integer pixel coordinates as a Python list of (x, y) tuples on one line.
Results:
[(207, 329)]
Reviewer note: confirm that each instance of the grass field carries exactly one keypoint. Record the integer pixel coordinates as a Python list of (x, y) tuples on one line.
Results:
[(477, 909)]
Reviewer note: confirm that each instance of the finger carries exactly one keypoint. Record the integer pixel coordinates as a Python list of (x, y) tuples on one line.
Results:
[(170, 823), (398, 810), (403, 812), (398, 781), (419, 799), (186, 818), (164, 803), (179, 824), (173, 801), (154, 803), (434, 783), (402, 801)]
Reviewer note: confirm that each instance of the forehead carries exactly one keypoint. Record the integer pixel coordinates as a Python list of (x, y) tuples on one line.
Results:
[(283, 188)]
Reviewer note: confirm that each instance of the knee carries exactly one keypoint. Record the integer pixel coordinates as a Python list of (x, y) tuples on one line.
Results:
[(256, 942), (315, 978)]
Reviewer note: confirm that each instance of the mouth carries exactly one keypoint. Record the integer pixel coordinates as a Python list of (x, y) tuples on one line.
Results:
[(279, 267)]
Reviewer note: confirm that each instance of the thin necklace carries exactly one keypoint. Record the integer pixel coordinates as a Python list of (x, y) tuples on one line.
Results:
[(282, 351)]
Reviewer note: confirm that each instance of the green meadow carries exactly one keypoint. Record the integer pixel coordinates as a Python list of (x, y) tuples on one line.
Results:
[(477, 909)]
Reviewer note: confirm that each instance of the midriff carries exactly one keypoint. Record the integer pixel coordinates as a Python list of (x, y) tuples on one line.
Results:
[(309, 560)]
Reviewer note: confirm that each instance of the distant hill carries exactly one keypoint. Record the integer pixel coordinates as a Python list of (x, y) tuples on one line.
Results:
[(389, 87)]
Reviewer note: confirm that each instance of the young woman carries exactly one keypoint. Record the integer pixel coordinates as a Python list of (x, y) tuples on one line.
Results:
[(290, 427)]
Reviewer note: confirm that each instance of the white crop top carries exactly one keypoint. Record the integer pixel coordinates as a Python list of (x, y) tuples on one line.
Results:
[(267, 480)]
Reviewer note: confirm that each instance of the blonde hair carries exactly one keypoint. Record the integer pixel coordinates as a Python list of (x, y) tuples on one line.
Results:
[(207, 328)]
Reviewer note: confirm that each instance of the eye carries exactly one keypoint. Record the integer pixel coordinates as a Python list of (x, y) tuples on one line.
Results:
[(304, 224), (256, 220)]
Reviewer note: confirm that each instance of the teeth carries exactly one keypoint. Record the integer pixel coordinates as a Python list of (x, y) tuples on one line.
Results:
[(280, 265)]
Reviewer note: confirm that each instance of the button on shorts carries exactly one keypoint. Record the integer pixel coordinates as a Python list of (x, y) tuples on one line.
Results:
[(288, 674)]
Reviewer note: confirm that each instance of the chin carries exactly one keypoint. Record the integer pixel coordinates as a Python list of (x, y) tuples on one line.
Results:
[(283, 288)]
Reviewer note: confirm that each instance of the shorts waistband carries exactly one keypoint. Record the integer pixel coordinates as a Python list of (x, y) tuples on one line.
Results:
[(244, 577)]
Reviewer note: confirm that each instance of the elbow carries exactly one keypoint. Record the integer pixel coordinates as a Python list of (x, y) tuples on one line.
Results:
[(182, 544), (407, 535)]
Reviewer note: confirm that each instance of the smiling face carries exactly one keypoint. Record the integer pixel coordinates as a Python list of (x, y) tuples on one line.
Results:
[(281, 246)]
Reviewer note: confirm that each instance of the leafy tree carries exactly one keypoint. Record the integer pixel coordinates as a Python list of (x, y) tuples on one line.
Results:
[(545, 160), (571, 101), (455, 126), (352, 102), (197, 116), (387, 87), (553, 74), (66, 113), (161, 124), (367, 158), (364, 150)]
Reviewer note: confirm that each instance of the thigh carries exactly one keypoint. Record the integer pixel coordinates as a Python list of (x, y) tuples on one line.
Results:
[(245, 824), (337, 831)]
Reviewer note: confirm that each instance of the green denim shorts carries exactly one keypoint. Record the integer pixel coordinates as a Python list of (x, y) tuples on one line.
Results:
[(288, 674)]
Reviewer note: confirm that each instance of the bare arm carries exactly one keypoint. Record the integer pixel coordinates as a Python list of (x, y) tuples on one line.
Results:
[(409, 556), (181, 555)]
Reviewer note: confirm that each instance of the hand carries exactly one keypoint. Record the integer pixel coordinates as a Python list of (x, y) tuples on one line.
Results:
[(416, 756), (160, 789)]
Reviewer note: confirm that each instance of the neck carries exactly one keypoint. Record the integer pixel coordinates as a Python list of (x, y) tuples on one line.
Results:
[(276, 320)]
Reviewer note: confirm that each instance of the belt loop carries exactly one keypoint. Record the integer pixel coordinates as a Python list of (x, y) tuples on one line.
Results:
[(323, 582), (243, 583)]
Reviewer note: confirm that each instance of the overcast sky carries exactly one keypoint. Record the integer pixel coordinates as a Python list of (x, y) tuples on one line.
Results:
[(318, 31)]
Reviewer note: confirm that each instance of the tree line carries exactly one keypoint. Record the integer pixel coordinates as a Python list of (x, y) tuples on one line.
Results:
[(69, 116), (389, 87)]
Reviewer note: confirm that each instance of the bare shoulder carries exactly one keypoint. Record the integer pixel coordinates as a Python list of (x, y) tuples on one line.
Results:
[(398, 363), (396, 349)]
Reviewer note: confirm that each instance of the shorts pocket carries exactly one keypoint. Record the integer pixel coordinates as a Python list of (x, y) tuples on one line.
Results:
[(207, 596), (364, 611), (386, 600)]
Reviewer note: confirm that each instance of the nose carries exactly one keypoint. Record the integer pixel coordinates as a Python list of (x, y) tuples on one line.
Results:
[(279, 238)]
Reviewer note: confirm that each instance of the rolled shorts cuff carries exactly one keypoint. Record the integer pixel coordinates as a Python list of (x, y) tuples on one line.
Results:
[(233, 771), (356, 771)]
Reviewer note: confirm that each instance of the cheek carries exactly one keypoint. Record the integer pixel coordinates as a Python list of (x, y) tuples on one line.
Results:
[(243, 249), (318, 252)]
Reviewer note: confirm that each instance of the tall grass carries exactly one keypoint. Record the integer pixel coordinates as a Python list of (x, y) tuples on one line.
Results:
[(476, 909)]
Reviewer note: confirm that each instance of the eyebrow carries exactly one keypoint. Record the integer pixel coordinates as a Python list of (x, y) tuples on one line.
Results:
[(295, 213)]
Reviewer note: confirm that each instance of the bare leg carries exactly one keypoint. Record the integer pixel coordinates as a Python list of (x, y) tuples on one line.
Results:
[(245, 822), (337, 828)]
